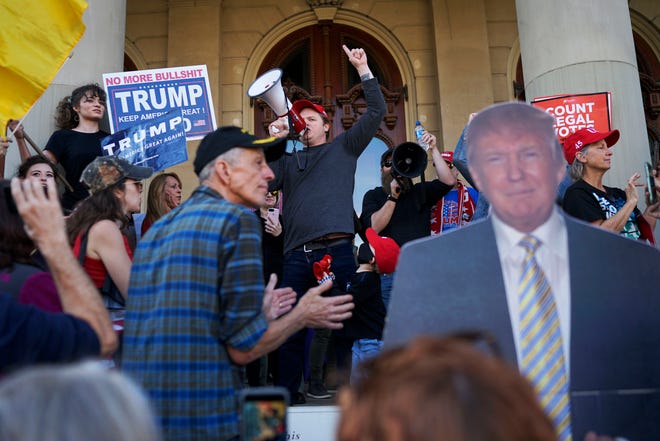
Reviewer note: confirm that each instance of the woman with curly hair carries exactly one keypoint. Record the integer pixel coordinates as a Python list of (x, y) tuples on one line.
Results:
[(78, 140), (164, 195)]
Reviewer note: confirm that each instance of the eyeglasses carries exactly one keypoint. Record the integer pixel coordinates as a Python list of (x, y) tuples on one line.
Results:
[(273, 193), (387, 163)]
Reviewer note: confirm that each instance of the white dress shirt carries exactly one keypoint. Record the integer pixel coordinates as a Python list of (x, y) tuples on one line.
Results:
[(552, 256)]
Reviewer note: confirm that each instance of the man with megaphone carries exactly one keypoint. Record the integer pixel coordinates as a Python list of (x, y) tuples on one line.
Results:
[(398, 208), (317, 183)]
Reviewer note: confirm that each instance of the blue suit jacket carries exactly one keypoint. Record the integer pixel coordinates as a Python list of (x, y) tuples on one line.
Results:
[(454, 283)]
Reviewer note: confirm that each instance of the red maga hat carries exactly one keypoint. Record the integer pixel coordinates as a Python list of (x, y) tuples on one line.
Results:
[(304, 104), (448, 156), (583, 137), (386, 251)]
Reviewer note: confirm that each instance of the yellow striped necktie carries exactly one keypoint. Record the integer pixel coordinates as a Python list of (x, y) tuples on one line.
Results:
[(541, 347)]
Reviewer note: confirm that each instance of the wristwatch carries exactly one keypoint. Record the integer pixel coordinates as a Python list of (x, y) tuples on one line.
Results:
[(392, 198)]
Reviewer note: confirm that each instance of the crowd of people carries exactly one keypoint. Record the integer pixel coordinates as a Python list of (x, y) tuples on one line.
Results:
[(256, 275)]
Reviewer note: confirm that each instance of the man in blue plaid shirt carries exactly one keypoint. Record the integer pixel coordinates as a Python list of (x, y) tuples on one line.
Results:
[(197, 309)]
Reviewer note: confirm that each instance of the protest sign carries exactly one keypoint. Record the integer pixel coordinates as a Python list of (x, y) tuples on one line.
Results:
[(575, 112), (158, 143), (139, 96)]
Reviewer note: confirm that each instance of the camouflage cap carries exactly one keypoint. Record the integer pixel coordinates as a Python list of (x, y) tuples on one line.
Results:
[(105, 171)]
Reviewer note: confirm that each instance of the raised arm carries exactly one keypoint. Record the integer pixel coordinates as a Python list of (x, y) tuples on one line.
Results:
[(358, 58), (442, 170)]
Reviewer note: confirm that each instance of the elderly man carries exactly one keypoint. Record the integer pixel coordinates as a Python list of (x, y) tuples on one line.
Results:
[(197, 309), (575, 307)]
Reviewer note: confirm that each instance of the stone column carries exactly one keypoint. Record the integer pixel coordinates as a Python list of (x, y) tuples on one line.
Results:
[(585, 46), (194, 29), (463, 63), (99, 51)]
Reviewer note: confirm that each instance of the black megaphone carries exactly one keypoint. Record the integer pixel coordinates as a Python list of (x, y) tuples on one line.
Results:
[(408, 160)]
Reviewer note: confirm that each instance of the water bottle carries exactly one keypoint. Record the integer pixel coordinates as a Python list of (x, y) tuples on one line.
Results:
[(419, 132)]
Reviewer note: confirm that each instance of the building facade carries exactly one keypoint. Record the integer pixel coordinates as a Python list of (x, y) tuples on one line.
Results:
[(437, 60)]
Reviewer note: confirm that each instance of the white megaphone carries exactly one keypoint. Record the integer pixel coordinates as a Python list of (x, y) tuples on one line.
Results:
[(268, 87)]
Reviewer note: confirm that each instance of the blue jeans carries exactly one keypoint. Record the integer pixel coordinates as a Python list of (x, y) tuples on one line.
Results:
[(298, 274), (386, 281), (363, 349)]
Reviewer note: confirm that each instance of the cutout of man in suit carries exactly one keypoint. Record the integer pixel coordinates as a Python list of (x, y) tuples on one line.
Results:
[(606, 288)]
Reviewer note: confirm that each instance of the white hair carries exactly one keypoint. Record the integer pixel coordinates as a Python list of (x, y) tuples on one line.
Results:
[(78, 402)]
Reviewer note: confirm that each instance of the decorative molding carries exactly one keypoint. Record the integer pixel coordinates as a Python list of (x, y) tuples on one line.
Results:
[(325, 3), (325, 10), (650, 95), (354, 105), (346, 17), (193, 3)]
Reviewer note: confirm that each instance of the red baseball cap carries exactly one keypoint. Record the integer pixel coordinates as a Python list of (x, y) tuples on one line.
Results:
[(304, 104), (386, 251), (448, 156), (583, 137)]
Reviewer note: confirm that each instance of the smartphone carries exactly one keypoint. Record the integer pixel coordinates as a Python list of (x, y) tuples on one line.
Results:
[(274, 214), (263, 413), (650, 183)]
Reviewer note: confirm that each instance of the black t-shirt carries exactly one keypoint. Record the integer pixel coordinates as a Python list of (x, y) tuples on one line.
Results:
[(590, 204), (74, 151), (29, 335), (272, 248), (368, 317), (411, 218)]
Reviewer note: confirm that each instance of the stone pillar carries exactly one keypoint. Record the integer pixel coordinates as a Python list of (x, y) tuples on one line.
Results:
[(99, 51), (463, 63), (585, 46), (194, 38)]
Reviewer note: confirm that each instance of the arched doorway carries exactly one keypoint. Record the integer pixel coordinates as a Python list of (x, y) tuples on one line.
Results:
[(649, 78), (316, 68)]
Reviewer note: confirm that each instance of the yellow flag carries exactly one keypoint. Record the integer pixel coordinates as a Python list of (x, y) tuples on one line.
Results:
[(36, 37)]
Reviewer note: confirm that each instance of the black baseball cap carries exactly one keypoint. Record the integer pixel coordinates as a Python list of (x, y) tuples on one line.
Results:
[(226, 138)]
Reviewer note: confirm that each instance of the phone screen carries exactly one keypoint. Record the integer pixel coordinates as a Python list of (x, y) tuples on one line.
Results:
[(650, 183), (263, 416)]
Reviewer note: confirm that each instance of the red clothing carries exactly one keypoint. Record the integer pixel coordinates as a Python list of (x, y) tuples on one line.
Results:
[(95, 267), (146, 224)]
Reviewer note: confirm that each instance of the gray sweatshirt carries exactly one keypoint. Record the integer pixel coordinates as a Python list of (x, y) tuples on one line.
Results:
[(318, 200)]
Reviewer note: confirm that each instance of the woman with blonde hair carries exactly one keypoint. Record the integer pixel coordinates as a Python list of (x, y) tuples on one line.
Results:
[(164, 195)]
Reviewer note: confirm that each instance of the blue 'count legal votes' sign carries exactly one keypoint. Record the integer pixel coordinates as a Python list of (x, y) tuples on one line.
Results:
[(139, 96)]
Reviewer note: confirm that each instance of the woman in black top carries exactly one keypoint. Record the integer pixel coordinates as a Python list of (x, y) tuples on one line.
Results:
[(78, 140)]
